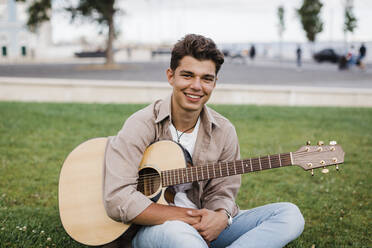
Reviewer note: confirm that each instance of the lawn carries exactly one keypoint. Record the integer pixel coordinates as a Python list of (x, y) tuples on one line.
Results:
[(36, 137)]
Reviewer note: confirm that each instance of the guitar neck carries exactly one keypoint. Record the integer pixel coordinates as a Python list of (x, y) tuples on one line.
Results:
[(224, 169)]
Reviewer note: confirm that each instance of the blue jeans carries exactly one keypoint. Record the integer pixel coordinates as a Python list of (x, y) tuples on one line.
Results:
[(272, 225)]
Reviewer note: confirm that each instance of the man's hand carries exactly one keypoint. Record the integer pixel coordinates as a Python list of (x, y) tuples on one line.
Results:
[(157, 214), (211, 224)]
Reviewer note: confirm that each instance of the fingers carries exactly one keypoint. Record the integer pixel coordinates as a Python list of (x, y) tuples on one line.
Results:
[(206, 237), (195, 212)]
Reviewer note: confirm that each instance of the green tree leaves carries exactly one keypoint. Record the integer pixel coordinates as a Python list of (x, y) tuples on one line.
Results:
[(310, 19)]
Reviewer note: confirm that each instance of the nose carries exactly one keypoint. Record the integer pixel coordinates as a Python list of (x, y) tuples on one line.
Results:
[(196, 83)]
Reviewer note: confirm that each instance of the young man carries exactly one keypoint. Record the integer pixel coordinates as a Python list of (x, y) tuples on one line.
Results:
[(205, 213)]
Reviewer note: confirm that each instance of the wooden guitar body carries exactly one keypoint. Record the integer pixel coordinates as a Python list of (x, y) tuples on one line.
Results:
[(80, 190)]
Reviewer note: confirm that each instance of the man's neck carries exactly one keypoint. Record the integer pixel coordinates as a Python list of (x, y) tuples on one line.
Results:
[(183, 121)]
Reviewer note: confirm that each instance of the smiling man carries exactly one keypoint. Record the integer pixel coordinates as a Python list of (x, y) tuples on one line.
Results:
[(200, 214)]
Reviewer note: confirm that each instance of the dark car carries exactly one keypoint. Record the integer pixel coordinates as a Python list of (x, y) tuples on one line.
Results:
[(161, 51), (92, 54), (327, 55)]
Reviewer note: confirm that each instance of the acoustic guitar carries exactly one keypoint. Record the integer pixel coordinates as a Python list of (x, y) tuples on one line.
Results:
[(163, 164)]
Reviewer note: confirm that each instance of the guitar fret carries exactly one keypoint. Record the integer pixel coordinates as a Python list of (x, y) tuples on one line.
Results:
[(167, 177), (220, 169), (214, 170), (269, 160), (171, 178), (291, 158), (280, 161), (187, 178), (250, 159), (202, 173), (259, 161), (235, 167), (197, 178), (207, 171), (178, 175)]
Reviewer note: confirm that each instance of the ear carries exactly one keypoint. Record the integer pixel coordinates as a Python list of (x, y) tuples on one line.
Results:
[(170, 76)]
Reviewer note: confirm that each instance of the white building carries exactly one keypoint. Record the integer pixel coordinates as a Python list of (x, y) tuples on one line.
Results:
[(16, 42)]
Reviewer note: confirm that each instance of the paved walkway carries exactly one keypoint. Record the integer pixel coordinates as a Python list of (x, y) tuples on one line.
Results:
[(260, 72), (103, 91)]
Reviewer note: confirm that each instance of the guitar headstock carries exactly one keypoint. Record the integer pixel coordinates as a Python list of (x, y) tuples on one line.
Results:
[(320, 156)]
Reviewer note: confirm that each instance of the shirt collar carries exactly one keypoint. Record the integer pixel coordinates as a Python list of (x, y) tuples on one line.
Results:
[(164, 109)]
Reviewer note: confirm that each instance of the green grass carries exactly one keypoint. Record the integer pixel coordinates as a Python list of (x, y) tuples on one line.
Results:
[(36, 137)]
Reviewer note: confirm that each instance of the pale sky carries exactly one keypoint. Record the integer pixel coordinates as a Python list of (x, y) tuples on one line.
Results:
[(156, 21)]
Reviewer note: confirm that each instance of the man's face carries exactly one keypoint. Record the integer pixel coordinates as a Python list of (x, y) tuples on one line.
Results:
[(193, 82)]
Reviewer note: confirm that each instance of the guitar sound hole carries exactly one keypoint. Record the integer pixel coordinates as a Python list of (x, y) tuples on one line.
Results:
[(148, 181)]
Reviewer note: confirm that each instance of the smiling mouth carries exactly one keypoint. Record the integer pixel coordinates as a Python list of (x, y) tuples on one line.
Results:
[(193, 96)]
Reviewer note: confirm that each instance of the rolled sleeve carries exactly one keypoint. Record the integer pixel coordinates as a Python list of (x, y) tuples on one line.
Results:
[(123, 155)]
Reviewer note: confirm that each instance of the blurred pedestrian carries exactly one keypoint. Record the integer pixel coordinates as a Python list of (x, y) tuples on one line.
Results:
[(299, 56), (351, 56), (362, 54), (129, 52), (252, 52)]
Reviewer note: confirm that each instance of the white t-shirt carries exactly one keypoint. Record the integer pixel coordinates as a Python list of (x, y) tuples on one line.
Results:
[(187, 140)]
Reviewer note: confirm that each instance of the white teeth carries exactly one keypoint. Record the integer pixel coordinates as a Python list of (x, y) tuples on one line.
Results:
[(192, 96)]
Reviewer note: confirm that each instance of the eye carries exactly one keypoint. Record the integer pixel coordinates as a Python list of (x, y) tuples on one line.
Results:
[(187, 76), (208, 80)]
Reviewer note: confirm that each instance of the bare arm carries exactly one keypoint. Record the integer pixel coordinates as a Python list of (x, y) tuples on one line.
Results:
[(156, 214)]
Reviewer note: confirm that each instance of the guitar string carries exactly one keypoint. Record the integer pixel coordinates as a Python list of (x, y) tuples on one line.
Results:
[(156, 180), (174, 177), (264, 162), (152, 184), (204, 168)]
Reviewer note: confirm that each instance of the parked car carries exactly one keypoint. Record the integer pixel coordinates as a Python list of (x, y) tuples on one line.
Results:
[(91, 54), (327, 55), (161, 51)]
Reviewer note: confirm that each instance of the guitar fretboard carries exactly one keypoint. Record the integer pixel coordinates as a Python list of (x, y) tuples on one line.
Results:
[(224, 169)]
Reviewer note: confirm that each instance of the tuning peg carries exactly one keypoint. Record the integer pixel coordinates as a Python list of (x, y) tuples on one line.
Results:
[(325, 170), (312, 172), (333, 143), (308, 142), (320, 143), (337, 167)]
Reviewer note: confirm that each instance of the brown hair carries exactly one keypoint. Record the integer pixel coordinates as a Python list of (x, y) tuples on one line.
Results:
[(199, 47)]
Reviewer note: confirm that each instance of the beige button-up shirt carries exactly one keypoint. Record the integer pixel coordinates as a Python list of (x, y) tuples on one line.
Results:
[(216, 141)]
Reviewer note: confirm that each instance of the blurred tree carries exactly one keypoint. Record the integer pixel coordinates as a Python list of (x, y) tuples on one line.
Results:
[(310, 19), (102, 12), (281, 27), (350, 22)]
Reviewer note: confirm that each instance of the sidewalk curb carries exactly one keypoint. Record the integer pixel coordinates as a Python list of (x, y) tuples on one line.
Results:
[(100, 91)]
